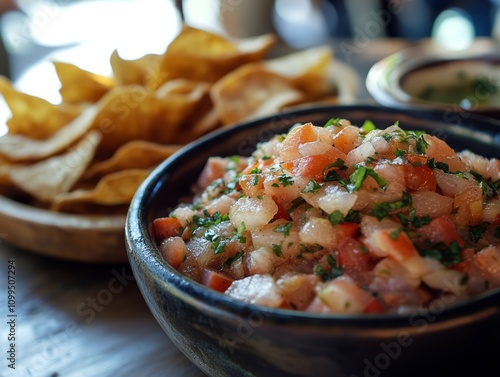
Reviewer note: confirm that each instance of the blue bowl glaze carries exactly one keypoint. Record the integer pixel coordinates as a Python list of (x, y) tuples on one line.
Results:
[(225, 337)]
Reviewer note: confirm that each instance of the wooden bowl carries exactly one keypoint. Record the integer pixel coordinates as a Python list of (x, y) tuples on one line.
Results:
[(82, 238)]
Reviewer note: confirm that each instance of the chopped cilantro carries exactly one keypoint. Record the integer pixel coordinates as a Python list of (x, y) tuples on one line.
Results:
[(400, 152), (285, 180), (358, 176), (284, 228), (239, 234), (413, 220), (312, 186), (336, 217), (447, 255), (489, 189), (233, 259), (295, 204), (277, 250), (438, 165), (333, 122), (395, 233), (476, 232), (207, 221), (335, 270), (382, 210), (368, 126), (310, 248), (256, 171)]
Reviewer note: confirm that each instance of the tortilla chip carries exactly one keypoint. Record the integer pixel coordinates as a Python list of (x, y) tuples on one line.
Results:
[(252, 91), (132, 155), (112, 190), (137, 71), (306, 70), (33, 116), (46, 179), (22, 148), (204, 56), (78, 85)]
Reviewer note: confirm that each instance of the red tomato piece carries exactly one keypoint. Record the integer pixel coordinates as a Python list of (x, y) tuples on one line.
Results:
[(313, 166), (165, 227), (215, 280), (352, 256), (373, 307), (419, 178), (441, 229)]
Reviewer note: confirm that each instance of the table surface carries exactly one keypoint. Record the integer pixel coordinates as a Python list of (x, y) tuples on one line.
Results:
[(90, 320)]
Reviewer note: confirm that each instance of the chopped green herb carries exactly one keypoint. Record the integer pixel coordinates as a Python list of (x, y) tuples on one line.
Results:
[(233, 259), (400, 152), (239, 234), (368, 126), (447, 255), (285, 180), (277, 250), (335, 270), (295, 204), (312, 186), (490, 189), (352, 216), (336, 217), (476, 232), (207, 221), (310, 248), (333, 122), (255, 180), (438, 165), (395, 233), (284, 228), (382, 210), (358, 176)]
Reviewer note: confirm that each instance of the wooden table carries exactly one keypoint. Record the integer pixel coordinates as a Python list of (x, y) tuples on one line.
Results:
[(90, 320)]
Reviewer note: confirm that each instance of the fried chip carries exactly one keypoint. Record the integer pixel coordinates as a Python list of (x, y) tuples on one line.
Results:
[(201, 55), (111, 190), (22, 148), (307, 70), (124, 114), (252, 91), (78, 85), (46, 179), (138, 71), (33, 116), (132, 155)]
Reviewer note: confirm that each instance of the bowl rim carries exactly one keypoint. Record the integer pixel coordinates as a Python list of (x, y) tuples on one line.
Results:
[(143, 250), (384, 78)]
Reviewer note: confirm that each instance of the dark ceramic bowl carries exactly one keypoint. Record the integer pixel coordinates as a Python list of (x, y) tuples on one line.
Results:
[(225, 337), (428, 75)]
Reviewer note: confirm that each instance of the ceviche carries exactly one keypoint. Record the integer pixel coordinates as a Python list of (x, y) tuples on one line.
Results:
[(341, 219)]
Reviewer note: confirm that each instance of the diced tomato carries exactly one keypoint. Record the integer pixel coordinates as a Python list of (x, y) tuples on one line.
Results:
[(352, 256), (259, 165), (165, 227), (373, 307), (419, 178), (297, 135), (347, 230), (313, 166), (441, 229), (215, 280), (282, 212)]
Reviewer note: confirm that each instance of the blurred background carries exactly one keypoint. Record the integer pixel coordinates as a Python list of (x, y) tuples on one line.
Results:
[(85, 32)]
